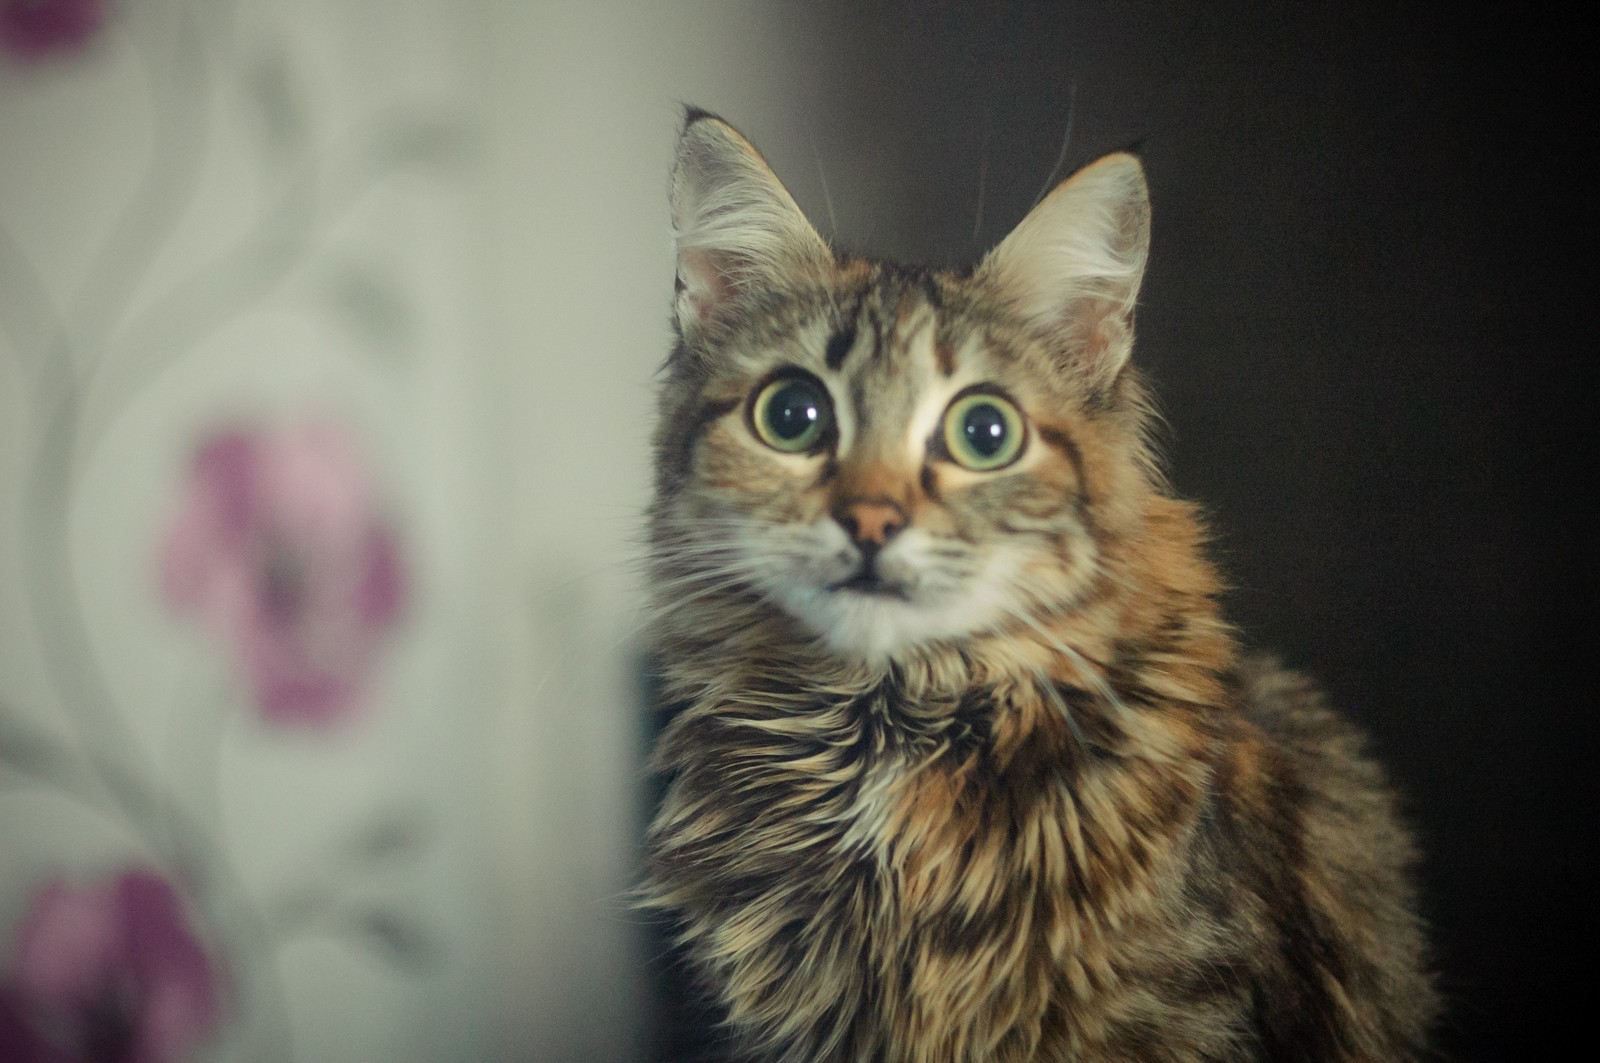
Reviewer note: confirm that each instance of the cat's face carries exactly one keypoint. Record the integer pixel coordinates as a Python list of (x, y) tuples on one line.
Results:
[(886, 473), (890, 457)]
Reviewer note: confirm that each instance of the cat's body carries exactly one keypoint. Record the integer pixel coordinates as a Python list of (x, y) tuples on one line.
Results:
[(968, 766)]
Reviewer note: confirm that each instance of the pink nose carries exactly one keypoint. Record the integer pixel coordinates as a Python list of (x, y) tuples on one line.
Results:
[(871, 520)]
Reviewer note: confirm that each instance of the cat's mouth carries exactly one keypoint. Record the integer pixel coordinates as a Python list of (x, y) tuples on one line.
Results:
[(869, 582), (873, 604)]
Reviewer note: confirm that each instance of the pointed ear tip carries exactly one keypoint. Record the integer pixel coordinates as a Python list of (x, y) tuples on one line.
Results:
[(707, 136), (698, 120), (693, 113), (1120, 170), (699, 126), (1122, 165)]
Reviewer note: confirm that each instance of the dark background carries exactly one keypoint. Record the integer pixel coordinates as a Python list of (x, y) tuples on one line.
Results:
[(1368, 317)]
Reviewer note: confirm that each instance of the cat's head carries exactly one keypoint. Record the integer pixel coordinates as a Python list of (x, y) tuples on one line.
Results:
[(892, 456)]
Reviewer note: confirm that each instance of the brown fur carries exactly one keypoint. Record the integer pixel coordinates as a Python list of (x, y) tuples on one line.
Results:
[(1086, 832)]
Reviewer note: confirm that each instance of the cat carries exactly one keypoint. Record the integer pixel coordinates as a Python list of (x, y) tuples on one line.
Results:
[(966, 762)]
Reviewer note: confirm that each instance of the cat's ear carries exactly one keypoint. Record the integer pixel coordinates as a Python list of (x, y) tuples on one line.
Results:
[(1073, 265), (737, 228)]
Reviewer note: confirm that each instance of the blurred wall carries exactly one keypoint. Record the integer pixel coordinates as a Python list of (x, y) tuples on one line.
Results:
[(581, 105)]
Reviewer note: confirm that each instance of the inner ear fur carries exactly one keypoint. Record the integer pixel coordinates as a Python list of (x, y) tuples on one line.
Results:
[(736, 228), (1073, 266)]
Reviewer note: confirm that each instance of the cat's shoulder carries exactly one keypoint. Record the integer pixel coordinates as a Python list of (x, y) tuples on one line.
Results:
[(1317, 774), (1293, 712)]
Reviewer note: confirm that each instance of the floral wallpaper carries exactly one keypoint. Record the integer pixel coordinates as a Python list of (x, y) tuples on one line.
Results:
[(270, 547)]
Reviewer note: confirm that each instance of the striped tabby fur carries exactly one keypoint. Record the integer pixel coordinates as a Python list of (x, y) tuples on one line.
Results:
[(966, 764)]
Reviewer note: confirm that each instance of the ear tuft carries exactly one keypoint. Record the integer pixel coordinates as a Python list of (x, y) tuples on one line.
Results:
[(736, 227), (1073, 265)]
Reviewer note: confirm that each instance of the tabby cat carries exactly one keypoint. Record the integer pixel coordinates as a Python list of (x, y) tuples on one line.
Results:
[(966, 763)]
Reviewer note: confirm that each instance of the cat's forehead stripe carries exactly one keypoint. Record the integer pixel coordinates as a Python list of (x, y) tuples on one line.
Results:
[(890, 317), (875, 331), (705, 415), (914, 316), (1062, 442), (840, 344)]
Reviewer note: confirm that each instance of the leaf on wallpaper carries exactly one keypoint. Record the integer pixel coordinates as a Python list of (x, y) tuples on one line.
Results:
[(32, 752), (28, 753), (270, 86), (419, 140), (397, 938), (395, 835), (372, 304)]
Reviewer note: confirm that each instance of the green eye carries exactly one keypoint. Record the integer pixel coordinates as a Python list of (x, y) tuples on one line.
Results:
[(792, 414), (983, 432)]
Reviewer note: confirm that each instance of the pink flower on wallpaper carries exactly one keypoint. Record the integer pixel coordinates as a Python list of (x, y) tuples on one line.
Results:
[(108, 974), (279, 548), (36, 29)]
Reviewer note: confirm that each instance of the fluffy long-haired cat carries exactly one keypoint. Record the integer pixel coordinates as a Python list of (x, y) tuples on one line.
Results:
[(967, 763)]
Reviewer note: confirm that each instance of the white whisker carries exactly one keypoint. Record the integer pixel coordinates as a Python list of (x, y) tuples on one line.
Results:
[(1081, 664), (1066, 143), (1054, 694)]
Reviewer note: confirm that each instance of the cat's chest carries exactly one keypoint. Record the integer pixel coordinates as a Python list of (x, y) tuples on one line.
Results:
[(878, 785)]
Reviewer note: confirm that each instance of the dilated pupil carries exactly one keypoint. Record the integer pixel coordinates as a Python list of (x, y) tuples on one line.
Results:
[(984, 428), (792, 411)]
